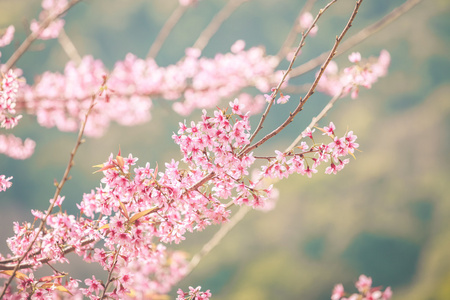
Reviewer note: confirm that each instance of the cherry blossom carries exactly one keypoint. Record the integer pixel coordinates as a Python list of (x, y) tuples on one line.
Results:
[(5, 183), (7, 37), (363, 73), (50, 7), (365, 289)]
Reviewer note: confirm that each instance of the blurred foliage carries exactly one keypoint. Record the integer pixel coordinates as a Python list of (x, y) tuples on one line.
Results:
[(387, 215)]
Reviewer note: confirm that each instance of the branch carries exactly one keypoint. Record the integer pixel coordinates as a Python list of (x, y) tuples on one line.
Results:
[(34, 35), (215, 240), (69, 47), (357, 38), (292, 35), (109, 280), (314, 85), (165, 31), (216, 22), (275, 92), (55, 197), (316, 119)]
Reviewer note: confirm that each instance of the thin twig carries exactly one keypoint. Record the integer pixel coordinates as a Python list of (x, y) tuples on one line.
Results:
[(34, 35), (316, 119), (215, 240), (357, 38), (313, 87), (292, 35), (108, 281), (69, 47), (275, 92), (55, 197), (165, 31), (216, 22)]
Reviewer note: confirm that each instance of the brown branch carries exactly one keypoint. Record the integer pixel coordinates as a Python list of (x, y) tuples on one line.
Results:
[(216, 22), (313, 87), (108, 281), (316, 119), (357, 38), (275, 92), (55, 197), (165, 31), (34, 35), (292, 35), (215, 240), (69, 47)]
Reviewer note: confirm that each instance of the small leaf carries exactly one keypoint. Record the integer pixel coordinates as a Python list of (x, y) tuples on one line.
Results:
[(104, 168), (55, 286), (106, 226), (18, 275), (124, 209), (120, 161), (142, 213)]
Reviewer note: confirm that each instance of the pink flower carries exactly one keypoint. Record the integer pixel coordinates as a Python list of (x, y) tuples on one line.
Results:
[(338, 292), (329, 130), (5, 183), (283, 99), (238, 46), (355, 57), (364, 283)]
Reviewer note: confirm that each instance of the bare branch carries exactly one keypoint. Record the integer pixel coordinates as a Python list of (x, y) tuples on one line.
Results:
[(165, 31), (292, 35), (34, 35), (215, 240), (69, 47), (357, 38), (331, 54), (274, 93), (316, 119), (216, 22)]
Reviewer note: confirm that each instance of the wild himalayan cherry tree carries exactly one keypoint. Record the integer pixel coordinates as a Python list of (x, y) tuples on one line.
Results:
[(126, 223)]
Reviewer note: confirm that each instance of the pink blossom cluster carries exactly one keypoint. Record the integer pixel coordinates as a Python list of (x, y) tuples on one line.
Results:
[(305, 159), (365, 289), (138, 209), (14, 147), (194, 294), (8, 95), (7, 37), (362, 73), (5, 183), (61, 99), (49, 7)]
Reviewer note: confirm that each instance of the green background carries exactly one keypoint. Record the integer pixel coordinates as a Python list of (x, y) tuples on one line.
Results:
[(386, 215)]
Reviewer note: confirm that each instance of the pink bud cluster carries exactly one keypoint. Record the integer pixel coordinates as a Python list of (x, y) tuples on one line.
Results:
[(50, 7), (365, 289), (305, 159), (61, 99), (363, 73), (196, 294)]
